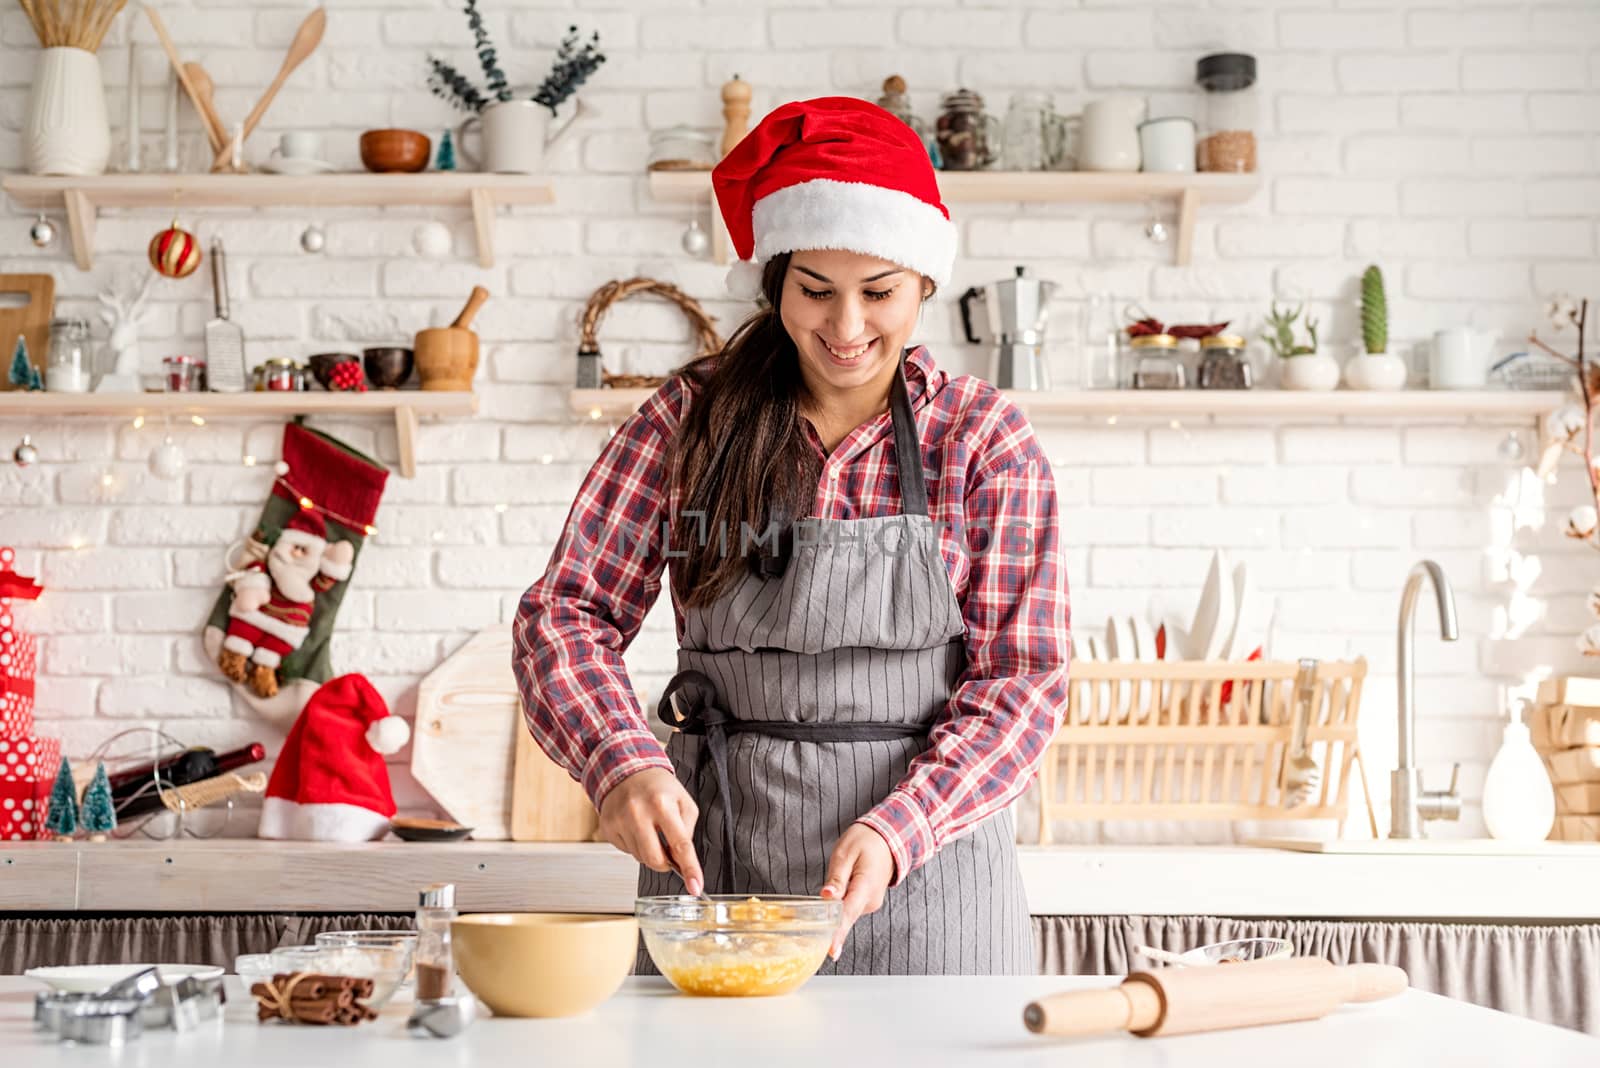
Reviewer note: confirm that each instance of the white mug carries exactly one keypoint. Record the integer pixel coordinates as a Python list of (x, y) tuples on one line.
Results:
[(1110, 135), (1460, 358), (299, 144), (1167, 144)]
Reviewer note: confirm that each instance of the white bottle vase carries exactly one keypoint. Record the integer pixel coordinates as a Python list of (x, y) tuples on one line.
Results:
[(66, 131), (1518, 802)]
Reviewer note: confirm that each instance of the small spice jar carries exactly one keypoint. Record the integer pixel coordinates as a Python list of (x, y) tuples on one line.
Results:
[(1153, 363), (1223, 364), (434, 958), (70, 367), (184, 374), (282, 374), (681, 148), (969, 139), (1228, 113)]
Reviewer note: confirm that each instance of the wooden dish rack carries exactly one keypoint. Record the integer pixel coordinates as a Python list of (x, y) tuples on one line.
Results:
[(1199, 740)]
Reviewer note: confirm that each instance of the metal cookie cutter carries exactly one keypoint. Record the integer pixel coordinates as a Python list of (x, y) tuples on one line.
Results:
[(101, 1021), (185, 1004)]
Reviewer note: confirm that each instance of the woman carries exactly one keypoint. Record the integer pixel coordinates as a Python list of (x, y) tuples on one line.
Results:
[(865, 574)]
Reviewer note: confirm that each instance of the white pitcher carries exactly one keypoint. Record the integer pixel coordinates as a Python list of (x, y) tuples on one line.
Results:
[(1110, 134), (516, 134), (66, 131), (1460, 358)]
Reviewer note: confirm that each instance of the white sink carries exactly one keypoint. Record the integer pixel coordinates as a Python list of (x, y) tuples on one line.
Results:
[(1432, 846)]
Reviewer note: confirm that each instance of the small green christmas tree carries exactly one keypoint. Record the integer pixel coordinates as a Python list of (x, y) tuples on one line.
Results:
[(23, 374), (446, 158), (63, 818), (99, 813)]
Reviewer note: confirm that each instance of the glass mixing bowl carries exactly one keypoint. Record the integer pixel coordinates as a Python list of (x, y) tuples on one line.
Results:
[(385, 965), (737, 946)]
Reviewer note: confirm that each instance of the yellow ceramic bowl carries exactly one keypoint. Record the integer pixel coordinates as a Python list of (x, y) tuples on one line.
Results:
[(543, 963)]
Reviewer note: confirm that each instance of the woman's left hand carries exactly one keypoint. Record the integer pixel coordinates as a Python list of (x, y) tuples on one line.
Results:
[(859, 871)]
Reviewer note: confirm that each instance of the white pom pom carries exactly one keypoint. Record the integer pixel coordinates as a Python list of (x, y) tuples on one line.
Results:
[(744, 280), (1581, 522), (388, 735), (1589, 641), (281, 467)]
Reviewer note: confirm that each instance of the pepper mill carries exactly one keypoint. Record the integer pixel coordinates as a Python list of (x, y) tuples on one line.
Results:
[(735, 112)]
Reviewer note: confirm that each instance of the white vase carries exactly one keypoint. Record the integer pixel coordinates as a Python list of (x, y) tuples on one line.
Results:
[(1314, 372), (66, 131), (1518, 802), (1383, 371)]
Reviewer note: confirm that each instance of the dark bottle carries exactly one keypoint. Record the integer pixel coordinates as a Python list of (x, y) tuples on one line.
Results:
[(133, 792)]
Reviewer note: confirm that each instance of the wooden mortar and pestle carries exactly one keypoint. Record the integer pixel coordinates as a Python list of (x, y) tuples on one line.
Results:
[(447, 356)]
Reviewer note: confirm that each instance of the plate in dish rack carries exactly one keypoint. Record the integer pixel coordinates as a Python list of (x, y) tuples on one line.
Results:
[(87, 978)]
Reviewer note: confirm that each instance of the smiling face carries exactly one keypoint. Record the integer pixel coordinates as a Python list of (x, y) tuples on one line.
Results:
[(850, 315)]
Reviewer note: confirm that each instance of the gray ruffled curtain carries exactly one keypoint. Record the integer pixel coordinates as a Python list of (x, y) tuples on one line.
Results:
[(35, 941), (1551, 974)]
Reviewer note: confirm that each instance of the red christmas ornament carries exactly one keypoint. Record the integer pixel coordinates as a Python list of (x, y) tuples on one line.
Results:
[(174, 253)]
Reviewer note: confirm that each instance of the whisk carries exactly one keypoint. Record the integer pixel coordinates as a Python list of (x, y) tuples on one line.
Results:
[(1301, 774)]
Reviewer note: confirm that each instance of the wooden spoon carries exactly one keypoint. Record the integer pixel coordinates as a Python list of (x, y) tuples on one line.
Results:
[(306, 39), (206, 89), (219, 139)]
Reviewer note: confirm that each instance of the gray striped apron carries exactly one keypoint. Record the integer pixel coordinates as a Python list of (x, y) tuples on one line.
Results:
[(801, 699)]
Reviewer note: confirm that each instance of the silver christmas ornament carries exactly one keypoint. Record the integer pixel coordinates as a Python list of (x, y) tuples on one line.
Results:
[(1156, 230), (24, 454), (312, 239), (695, 240), (431, 240), (43, 232), (167, 460), (1511, 447)]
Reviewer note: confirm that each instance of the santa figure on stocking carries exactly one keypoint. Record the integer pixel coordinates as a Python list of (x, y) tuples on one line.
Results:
[(274, 597)]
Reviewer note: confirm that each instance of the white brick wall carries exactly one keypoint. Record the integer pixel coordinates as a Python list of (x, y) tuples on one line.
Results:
[(1457, 145)]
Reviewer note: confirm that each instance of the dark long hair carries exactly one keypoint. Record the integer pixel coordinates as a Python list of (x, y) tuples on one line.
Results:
[(739, 459)]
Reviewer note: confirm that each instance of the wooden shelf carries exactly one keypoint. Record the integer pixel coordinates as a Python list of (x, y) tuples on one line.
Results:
[(405, 406), (1492, 405), (1187, 191), (83, 197)]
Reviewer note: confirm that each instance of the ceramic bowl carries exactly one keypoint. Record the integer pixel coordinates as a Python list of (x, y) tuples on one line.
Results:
[(323, 363), (738, 946), (87, 978), (387, 367), (394, 150), (543, 963)]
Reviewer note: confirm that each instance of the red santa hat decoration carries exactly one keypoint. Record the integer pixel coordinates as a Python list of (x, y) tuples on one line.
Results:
[(330, 782), (832, 173)]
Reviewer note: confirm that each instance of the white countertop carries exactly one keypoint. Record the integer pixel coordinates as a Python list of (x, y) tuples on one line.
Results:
[(876, 1020), (247, 875)]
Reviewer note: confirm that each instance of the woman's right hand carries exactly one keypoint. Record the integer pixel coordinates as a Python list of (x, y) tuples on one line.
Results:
[(651, 817)]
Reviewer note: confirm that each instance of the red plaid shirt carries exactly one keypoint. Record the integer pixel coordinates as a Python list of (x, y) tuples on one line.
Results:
[(575, 621)]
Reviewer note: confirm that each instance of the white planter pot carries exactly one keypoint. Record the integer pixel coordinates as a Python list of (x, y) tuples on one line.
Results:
[(1316, 372), (66, 131), (1382, 371)]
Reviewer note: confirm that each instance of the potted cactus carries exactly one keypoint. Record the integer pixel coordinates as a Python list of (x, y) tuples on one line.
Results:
[(1376, 368), (1303, 367)]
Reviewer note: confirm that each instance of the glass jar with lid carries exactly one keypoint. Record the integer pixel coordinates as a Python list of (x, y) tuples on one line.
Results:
[(969, 138), (1152, 362), (1228, 112), (1223, 364), (71, 364), (681, 148), (1033, 132)]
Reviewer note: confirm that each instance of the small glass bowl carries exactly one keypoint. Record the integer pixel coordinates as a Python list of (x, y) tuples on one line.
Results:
[(385, 965), (1238, 951), (405, 940), (737, 946), (253, 968)]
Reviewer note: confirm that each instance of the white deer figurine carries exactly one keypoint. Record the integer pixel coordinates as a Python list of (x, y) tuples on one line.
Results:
[(124, 313)]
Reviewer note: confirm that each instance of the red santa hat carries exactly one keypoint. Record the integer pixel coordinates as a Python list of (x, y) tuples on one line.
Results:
[(837, 173), (330, 782)]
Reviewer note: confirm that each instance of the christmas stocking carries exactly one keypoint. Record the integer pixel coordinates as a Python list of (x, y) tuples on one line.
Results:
[(269, 629)]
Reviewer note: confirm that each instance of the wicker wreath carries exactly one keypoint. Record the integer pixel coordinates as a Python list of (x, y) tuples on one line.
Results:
[(706, 336)]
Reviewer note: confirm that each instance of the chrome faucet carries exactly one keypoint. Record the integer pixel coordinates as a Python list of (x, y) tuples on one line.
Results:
[(1409, 803)]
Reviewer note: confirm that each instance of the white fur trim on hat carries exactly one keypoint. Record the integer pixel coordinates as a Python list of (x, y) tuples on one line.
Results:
[(388, 735), (281, 818), (744, 280), (857, 217), (290, 536)]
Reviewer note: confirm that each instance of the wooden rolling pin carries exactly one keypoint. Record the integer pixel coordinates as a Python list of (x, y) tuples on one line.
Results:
[(1180, 1001)]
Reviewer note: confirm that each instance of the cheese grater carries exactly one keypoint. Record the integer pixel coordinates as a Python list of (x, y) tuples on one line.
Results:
[(224, 339)]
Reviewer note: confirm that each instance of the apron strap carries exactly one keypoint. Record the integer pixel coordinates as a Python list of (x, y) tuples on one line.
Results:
[(907, 448)]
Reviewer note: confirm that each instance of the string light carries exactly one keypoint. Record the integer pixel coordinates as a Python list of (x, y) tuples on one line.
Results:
[(595, 413), (307, 503), (138, 422), (197, 421), (500, 508), (249, 460), (1111, 420)]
